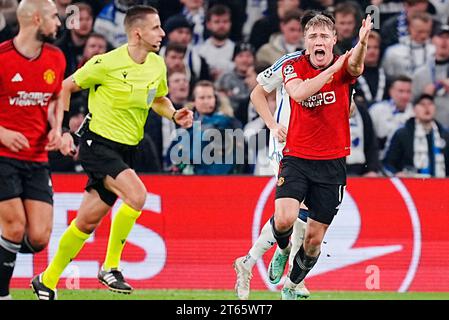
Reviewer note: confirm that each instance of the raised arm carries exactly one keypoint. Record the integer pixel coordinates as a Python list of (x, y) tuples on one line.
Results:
[(300, 90), (357, 58)]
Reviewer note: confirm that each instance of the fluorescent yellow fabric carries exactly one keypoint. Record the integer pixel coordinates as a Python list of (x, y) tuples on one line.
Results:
[(120, 228), (121, 92), (70, 245)]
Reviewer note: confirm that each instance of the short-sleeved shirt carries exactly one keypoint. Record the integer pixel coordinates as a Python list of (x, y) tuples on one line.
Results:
[(121, 93), (27, 86), (319, 126), (271, 79)]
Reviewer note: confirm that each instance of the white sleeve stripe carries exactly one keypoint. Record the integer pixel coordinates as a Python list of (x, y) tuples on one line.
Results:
[(278, 64)]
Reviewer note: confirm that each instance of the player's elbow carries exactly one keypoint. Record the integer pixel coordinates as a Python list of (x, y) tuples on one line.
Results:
[(355, 70), (298, 97)]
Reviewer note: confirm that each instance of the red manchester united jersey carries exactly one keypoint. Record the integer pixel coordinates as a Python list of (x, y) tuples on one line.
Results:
[(319, 126), (26, 89)]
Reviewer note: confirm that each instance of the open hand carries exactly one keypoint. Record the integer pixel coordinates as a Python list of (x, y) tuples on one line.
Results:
[(279, 132), (365, 29)]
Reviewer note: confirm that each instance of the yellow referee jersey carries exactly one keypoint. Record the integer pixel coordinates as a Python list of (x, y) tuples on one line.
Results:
[(121, 92)]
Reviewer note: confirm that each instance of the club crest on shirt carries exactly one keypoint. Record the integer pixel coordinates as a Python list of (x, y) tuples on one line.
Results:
[(49, 76), (281, 181)]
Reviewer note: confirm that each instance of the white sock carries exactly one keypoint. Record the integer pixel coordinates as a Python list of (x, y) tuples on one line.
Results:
[(299, 230), (249, 262), (264, 243)]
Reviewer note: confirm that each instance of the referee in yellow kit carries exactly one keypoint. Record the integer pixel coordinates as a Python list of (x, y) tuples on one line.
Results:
[(123, 85)]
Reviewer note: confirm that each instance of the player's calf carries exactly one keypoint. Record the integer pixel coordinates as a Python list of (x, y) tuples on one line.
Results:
[(302, 264)]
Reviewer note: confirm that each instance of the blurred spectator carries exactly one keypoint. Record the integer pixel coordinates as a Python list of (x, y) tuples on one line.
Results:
[(347, 18), (246, 112), (442, 10), (233, 83), (318, 5), (73, 40), (421, 147), (179, 30), (238, 15), (7, 7), (174, 58), (396, 29), (414, 51), (8, 19), (109, 22), (194, 11), (161, 130), (290, 39), (371, 86), (218, 48), (95, 44), (61, 6), (255, 10), (265, 27), (389, 115), (217, 143), (433, 78), (364, 157)]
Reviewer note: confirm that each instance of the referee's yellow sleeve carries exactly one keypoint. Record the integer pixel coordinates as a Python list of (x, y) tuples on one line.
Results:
[(162, 89), (91, 74)]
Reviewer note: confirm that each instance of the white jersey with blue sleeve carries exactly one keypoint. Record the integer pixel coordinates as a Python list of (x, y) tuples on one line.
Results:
[(270, 79)]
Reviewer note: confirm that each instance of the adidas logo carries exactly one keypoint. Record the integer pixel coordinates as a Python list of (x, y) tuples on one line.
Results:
[(17, 78), (89, 142)]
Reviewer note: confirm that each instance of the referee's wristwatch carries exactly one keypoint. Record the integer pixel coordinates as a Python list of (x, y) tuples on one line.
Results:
[(173, 117)]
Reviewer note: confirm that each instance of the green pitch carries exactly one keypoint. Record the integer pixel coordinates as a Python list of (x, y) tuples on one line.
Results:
[(102, 294)]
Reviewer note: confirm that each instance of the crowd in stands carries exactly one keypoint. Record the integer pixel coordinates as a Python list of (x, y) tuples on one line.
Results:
[(214, 50)]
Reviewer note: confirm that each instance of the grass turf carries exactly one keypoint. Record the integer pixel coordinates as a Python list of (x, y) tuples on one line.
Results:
[(102, 294)]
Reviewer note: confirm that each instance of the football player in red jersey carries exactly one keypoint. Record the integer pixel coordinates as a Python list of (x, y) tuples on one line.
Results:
[(31, 74), (318, 140)]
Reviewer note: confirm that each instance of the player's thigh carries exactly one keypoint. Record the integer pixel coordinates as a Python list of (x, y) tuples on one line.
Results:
[(39, 216), (91, 211), (128, 186), (323, 201), (12, 219)]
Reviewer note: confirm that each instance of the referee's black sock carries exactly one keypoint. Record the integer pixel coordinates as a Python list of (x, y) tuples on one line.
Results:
[(302, 264), (8, 254), (282, 238), (26, 246)]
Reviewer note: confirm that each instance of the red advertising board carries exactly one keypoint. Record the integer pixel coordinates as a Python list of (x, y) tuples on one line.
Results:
[(389, 235)]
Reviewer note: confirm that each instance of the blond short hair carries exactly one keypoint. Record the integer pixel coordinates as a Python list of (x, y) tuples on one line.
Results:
[(320, 20)]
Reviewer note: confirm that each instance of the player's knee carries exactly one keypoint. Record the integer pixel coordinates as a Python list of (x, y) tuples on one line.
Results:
[(283, 224), (312, 243), (284, 221), (137, 199), (14, 230), (86, 226)]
